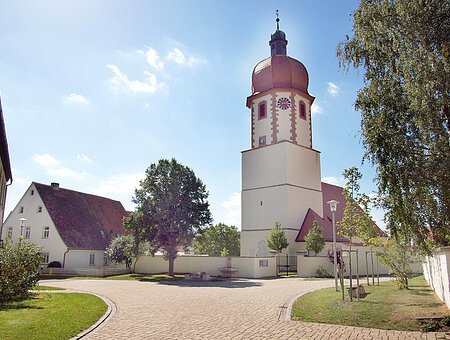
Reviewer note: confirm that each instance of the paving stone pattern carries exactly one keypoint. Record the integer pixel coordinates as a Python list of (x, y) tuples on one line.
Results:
[(246, 309)]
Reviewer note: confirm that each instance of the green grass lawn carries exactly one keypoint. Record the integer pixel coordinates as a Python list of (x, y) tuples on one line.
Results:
[(385, 306), (50, 316), (39, 287)]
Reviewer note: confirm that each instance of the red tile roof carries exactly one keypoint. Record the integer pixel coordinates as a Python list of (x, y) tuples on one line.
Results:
[(83, 221), (329, 192)]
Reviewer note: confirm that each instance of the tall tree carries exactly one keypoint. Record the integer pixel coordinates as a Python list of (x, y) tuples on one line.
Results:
[(314, 239), (124, 249), (404, 49), (171, 207), (277, 239), (217, 240)]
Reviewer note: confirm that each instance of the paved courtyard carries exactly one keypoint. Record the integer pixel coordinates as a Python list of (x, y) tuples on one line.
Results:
[(247, 309)]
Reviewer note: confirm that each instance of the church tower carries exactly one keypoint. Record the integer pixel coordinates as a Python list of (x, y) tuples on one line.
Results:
[(281, 171)]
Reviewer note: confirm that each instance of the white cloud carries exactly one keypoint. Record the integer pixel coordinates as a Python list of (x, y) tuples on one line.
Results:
[(120, 80), (122, 185), (84, 158), (153, 59), (66, 173), (53, 167), (333, 89), (315, 109), (45, 160), (233, 210), (75, 98), (333, 180), (181, 59)]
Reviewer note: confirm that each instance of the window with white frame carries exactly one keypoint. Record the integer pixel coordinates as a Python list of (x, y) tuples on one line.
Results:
[(45, 257), (27, 232), (92, 260), (45, 232), (10, 232), (39, 209), (20, 210)]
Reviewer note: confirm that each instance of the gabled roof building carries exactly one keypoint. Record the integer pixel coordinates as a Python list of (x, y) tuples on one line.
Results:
[(74, 228)]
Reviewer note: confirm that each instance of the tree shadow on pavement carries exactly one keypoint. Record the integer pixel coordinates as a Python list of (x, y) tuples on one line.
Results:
[(233, 283)]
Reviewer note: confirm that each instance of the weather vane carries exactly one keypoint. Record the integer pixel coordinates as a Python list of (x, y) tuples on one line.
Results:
[(278, 20)]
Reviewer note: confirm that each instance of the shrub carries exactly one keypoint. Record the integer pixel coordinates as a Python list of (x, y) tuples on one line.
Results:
[(431, 326), (19, 269), (54, 264), (322, 272), (445, 322)]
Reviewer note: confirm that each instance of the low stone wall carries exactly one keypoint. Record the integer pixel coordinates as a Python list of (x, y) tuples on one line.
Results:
[(248, 267), (101, 272), (436, 270)]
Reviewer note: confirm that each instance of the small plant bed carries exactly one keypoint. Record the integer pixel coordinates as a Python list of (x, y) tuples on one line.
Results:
[(50, 316), (46, 288), (385, 307)]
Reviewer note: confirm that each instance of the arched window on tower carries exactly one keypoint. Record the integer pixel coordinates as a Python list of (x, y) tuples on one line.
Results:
[(302, 110), (262, 110)]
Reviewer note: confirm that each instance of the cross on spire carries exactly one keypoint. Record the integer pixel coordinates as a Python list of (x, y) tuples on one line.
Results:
[(278, 20)]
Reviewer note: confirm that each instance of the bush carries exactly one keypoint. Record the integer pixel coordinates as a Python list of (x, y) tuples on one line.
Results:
[(19, 269), (431, 326), (54, 264), (445, 322), (322, 272)]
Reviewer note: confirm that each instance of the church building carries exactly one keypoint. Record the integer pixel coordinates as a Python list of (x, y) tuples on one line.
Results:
[(281, 179)]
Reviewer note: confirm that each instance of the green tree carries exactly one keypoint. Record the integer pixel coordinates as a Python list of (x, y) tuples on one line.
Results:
[(277, 239), (403, 48), (398, 256), (125, 250), (171, 208), (314, 239), (217, 240), (19, 269)]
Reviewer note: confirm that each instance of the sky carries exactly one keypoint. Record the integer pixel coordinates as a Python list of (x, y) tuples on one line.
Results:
[(93, 92)]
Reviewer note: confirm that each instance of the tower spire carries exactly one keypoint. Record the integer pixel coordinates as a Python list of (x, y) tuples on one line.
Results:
[(278, 42)]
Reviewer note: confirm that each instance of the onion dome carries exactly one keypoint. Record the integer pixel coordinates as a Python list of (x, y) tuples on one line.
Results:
[(279, 70)]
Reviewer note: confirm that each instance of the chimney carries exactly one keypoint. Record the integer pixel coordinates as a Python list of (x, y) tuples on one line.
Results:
[(55, 185)]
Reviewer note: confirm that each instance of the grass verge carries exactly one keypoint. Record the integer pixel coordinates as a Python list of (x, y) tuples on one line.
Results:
[(50, 316), (384, 307), (39, 287)]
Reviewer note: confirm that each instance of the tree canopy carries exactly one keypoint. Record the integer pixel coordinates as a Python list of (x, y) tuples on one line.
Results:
[(314, 239), (171, 208), (218, 240), (124, 249), (403, 47), (277, 239)]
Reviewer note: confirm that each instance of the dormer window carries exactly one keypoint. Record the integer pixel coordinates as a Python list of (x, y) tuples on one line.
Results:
[(262, 110), (302, 110)]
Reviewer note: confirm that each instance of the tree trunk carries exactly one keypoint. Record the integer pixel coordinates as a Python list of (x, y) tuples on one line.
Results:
[(171, 265)]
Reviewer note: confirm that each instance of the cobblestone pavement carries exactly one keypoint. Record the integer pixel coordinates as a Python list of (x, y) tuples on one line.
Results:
[(245, 309)]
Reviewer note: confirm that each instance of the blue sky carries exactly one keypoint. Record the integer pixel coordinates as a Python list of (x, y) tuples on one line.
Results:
[(93, 92)]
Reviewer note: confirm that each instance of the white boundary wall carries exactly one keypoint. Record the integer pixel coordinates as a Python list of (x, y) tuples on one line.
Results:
[(437, 272), (249, 267)]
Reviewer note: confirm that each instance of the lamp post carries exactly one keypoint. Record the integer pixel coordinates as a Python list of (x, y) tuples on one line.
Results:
[(21, 220), (333, 206)]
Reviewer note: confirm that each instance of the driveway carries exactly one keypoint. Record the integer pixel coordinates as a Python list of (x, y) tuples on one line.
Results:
[(244, 309)]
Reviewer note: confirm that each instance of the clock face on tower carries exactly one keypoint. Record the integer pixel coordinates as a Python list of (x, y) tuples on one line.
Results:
[(284, 103)]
